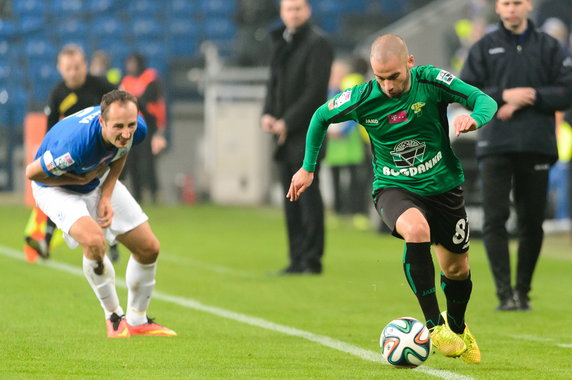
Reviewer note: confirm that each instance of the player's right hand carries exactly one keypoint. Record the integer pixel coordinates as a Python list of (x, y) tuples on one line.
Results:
[(301, 180)]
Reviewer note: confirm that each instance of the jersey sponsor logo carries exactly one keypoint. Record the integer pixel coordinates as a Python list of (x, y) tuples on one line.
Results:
[(398, 117), (344, 97), (496, 50), (371, 121), (414, 170), (50, 164), (417, 108), (445, 76), (64, 161), (407, 153)]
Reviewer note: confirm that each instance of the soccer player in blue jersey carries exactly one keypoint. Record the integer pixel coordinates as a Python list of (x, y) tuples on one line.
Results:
[(75, 182)]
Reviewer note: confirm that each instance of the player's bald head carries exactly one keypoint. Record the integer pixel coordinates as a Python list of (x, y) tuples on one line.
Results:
[(387, 47)]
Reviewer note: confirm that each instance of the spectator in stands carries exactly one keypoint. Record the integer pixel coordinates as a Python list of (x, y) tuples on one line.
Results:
[(299, 73), (524, 70), (76, 91), (145, 83), (100, 66)]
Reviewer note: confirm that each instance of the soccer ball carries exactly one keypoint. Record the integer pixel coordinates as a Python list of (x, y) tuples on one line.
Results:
[(405, 342)]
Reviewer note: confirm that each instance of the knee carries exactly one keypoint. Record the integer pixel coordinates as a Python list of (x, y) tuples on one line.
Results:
[(415, 232), (456, 271), (148, 251), (95, 245)]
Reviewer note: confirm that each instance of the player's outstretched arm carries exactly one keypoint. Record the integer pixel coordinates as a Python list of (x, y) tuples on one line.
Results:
[(301, 180)]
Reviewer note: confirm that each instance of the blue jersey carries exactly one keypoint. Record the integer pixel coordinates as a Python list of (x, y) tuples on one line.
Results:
[(75, 145)]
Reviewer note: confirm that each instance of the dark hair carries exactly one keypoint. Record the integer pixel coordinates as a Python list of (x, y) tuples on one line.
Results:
[(116, 96)]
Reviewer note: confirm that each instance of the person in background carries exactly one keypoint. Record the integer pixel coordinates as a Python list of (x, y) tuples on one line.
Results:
[(525, 71), (345, 153), (145, 83), (77, 90), (100, 66), (299, 74)]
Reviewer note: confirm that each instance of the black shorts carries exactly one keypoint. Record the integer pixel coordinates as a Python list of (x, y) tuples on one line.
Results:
[(445, 214)]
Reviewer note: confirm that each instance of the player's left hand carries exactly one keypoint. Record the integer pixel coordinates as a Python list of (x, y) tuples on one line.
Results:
[(464, 124), (301, 180), (104, 212)]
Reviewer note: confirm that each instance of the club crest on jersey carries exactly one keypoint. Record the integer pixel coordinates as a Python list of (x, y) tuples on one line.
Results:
[(398, 117), (445, 77), (417, 108), (344, 97), (407, 153)]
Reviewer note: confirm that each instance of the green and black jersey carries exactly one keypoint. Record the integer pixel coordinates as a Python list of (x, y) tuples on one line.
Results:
[(410, 134)]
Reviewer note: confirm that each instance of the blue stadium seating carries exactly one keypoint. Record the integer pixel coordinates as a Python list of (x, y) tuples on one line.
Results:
[(22, 7), (218, 7), (72, 27), (69, 7), (219, 28), (143, 27), (7, 28), (183, 8), (146, 8)]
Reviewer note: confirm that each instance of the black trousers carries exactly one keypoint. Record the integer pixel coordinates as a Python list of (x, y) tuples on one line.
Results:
[(304, 221), (527, 176), (141, 171)]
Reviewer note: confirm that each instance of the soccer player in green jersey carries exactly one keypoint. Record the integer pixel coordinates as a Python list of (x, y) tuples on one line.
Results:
[(417, 181)]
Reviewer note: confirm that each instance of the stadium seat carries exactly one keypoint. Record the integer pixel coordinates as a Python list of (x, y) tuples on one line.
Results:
[(213, 8), (27, 7), (219, 28), (98, 6), (72, 27), (7, 28), (37, 46), (31, 23), (183, 8), (69, 7), (143, 26), (146, 8)]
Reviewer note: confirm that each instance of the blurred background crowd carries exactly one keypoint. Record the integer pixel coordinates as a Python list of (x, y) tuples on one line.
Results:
[(212, 58)]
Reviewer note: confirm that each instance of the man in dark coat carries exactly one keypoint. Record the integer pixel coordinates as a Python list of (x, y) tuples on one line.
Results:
[(299, 73)]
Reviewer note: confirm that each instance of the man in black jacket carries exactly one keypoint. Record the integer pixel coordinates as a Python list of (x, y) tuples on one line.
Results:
[(299, 73), (524, 70)]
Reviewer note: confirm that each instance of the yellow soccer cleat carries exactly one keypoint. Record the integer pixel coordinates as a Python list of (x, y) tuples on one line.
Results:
[(150, 328), (447, 342), (472, 354)]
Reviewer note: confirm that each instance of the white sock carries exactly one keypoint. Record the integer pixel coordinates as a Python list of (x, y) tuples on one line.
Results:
[(103, 285), (140, 279)]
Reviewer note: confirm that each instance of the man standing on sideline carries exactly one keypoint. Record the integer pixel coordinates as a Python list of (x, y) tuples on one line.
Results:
[(145, 83), (75, 176), (524, 70), (77, 90), (417, 186), (299, 74)]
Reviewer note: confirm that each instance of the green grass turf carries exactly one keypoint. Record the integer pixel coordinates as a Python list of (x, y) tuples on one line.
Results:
[(52, 325)]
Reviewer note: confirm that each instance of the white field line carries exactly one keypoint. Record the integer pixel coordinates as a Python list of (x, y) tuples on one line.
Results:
[(213, 268), (535, 338), (246, 319)]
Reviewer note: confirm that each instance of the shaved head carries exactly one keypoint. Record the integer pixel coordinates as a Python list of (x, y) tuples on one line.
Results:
[(388, 46), (390, 62)]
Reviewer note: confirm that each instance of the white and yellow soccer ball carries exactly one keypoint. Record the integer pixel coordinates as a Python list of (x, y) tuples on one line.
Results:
[(405, 342)]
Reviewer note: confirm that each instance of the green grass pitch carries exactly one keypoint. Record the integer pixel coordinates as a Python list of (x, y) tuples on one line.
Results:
[(236, 320)]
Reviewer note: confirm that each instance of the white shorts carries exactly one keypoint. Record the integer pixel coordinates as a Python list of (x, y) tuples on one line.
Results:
[(65, 207)]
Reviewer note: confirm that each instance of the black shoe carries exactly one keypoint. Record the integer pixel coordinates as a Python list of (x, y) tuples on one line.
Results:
[(522, 301), (291, 269), (507, 304), (113, 253), (39, 246), (309, 270)]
